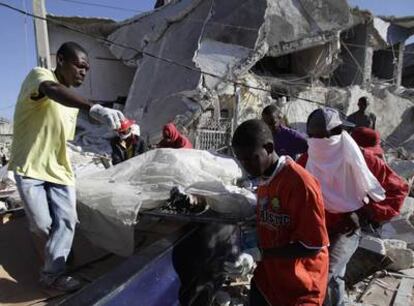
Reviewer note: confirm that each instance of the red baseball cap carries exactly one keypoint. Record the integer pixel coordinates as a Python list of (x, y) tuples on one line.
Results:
[(125, 125)]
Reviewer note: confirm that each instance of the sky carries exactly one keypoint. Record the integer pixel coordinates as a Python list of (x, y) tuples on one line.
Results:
[(17, 47)]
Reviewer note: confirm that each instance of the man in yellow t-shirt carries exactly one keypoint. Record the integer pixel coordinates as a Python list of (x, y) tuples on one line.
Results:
[(44, 120)]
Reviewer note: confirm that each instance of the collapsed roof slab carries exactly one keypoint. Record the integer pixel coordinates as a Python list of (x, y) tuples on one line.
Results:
[(178, 47), (161, 88), (294, 25), (385, 33)]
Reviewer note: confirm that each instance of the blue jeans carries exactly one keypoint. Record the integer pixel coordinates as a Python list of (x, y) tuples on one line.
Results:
[(340, 252), (51, 212)]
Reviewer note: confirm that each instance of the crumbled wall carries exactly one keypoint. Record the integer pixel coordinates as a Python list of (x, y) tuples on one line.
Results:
[(395, 114)]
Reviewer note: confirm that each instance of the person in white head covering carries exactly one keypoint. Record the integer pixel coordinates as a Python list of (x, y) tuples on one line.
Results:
[(347, 185)]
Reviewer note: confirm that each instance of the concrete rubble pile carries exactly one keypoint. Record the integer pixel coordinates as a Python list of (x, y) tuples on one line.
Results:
[(392, 265), (395, 239)]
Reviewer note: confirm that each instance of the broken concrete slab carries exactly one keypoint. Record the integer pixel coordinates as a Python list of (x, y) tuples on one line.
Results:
[(400, 229), (408, 272), (394, 244), (291, 27), (199, 37), (380, 291), (363, 264), (407, 209), (402, 258), (404, 168), (404, 295), (373, 244)]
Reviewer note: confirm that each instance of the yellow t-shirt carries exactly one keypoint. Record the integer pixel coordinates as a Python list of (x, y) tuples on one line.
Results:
[(40, 132)]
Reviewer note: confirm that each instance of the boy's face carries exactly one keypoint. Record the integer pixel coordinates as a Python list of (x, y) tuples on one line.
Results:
[(255, 160)]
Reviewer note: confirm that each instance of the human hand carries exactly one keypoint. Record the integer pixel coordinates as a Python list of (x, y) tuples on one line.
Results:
[(109, 116), (243, 265), (353, 224)]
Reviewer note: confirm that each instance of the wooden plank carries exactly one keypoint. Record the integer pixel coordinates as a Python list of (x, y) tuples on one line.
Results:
[(404, 293)]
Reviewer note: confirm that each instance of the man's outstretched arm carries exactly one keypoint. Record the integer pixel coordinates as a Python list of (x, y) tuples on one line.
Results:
[(63, 95)]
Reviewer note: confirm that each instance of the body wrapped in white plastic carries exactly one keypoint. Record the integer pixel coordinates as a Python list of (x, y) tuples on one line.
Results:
[(109, 201)]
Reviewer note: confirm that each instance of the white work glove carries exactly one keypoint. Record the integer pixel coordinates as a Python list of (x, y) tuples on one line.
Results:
[(109, 116), (135, 129), (244, 264)]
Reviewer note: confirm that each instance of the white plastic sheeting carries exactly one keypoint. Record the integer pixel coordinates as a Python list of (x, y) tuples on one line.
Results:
[(7, 182), (109, 201), (225, 199)]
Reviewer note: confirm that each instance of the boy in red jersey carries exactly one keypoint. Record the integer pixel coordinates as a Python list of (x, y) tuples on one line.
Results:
[(292, 254)]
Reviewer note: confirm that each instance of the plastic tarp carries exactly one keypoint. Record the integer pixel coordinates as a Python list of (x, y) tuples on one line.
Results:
[(109, 200)]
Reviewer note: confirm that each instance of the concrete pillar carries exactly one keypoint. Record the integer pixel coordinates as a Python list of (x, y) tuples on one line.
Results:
[(41, 35), (367, 64), (398, 65)]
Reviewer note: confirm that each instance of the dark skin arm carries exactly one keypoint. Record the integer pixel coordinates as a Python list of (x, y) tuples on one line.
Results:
[(62, 95), (374, 120), (291, 251)]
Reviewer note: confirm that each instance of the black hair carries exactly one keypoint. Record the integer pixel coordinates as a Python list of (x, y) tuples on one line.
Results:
[(269, 110), (252, 133), (69, 50), (316, 123), (336, 131), (363, 99)]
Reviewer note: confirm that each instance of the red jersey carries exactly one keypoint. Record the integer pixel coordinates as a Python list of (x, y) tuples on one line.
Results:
[(290, 209)]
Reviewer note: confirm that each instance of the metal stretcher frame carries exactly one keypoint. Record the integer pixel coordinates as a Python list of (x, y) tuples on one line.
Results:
[(209, 216)]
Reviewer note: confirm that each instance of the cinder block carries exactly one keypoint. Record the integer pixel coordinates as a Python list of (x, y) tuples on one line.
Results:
[(394, 244), (400, 229), (402, 259), (373, 244)]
